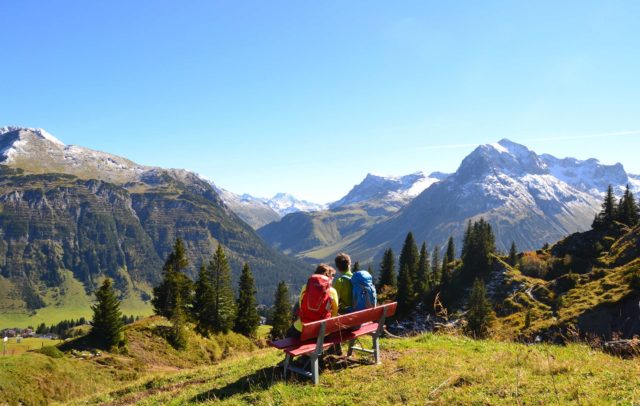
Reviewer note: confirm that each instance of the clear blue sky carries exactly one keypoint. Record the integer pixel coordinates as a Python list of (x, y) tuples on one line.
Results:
[(307, 97)]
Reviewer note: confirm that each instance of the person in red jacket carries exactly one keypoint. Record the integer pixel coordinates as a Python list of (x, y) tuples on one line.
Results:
[(318, 299)]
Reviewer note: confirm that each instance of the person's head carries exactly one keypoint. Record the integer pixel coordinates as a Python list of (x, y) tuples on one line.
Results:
[(326, 270), (343, 262)]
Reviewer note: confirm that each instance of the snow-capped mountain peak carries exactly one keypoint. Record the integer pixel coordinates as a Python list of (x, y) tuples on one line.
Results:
[(394, 190), (284, 203)]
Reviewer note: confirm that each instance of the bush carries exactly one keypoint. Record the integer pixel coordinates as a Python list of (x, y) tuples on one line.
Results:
[(51, 351), (534, 266), (634, 280)]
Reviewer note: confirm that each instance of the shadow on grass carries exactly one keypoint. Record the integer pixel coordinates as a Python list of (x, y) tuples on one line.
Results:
[(267, 377)]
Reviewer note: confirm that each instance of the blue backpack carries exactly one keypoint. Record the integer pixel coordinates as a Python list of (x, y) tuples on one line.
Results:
[(363, 293)]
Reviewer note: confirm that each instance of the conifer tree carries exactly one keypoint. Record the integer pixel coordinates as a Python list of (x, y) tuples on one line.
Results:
[(447, 262), (247, 320), (355, 267), (513, 254), (436, 271), (107, 330), (409, 257), (607, 215), (178, 333), (224, 313), (281, 312), (405, 291), (387, 270), (627, 212), (174, 283), (424, 272), (480, 315), (204, 301), (479, 246)]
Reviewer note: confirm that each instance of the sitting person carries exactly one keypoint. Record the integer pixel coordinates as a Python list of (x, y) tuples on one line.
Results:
[(318, 300), (343, 283)]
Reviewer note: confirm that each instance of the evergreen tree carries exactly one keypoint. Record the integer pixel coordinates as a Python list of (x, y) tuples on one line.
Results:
[(405, 291), (447, 262), (480, 315), (107, 330), (423, 284), (355, 267), (178, 331), (627, 212), (436, 271), (281, 312), (387, 270), (409, 258), (607, 215), (479, 247), (247, 320), (174, 283), (513, 254), (224, 311), (204, 301)]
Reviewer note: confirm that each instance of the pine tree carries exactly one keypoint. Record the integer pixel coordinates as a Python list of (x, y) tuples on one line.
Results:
[(627, 212), (281, 312), (447, 262), (387, 270), (178, 331), (513, 254), (355, 267), (405, 291), (480, 315), (478, 250), (409, 257), (424, 272), (174, 283), (107, 330), (224, 312), (607, 215), (247, 320), (204, 302), (436, 271)]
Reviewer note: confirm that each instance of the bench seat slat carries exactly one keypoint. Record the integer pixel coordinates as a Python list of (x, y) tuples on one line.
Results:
[(336, 338)]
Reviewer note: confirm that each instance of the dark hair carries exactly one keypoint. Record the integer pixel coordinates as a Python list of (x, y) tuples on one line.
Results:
[(324, 269), (343, 261)]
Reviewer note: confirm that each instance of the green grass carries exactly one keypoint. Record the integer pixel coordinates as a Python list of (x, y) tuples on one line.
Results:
[(428, 369), (26, 344), (70, 301)]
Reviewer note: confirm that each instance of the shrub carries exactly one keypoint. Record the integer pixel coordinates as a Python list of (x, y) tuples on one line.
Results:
[(51, 351), (534, 266)]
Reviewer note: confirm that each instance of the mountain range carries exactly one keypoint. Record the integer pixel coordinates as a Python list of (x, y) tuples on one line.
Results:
[(69, 216), (529, 199)]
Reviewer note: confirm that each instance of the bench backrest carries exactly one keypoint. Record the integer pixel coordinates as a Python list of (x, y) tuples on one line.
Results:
[(311, 330)]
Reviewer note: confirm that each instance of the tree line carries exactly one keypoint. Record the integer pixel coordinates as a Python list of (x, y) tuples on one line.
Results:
[(625, 210), (209, 302)]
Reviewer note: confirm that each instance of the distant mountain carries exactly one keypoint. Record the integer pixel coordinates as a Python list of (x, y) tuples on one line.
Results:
[(72, 215), (321, 234), (284, 203), (254, 211), (527, 198), (393, 190)]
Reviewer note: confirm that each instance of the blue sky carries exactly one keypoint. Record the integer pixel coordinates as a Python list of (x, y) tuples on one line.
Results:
[(307, 97)]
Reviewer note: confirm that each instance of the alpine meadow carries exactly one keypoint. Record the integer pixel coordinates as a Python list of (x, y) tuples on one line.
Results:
[(342, 203)]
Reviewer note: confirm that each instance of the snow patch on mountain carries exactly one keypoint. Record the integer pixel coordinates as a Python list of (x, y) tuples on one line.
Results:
[(394, 190), (284, 203)]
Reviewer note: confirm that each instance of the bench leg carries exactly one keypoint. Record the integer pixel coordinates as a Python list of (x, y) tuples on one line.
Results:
[(285, 367), (351, 344), (376, 349), (315, 370)]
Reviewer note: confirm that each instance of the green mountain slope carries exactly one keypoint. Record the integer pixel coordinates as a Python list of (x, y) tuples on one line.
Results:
[(115, 220)]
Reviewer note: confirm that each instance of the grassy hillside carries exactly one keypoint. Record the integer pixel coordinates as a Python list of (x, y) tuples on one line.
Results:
[(587, 284), (428, 369)]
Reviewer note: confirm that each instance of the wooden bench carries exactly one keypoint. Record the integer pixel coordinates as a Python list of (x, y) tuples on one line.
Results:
[(318, 335)]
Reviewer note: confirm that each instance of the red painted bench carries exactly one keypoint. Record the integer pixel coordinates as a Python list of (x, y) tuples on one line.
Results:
[(318, 335)]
